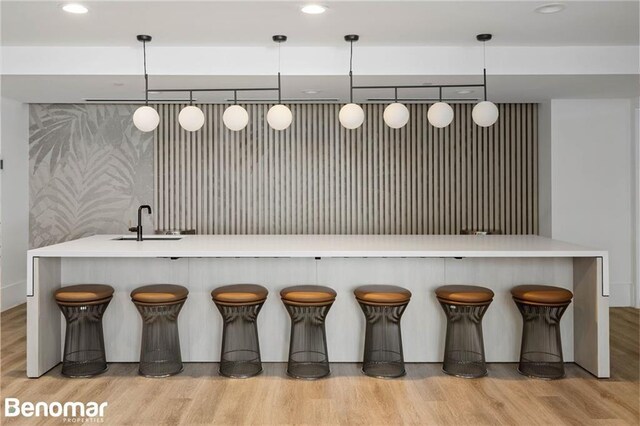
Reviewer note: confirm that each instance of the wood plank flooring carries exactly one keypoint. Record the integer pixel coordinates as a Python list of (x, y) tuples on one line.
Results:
[(424, 396)]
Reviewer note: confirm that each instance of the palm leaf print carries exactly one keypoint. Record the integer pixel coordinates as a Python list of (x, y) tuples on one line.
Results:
[(89, 170)]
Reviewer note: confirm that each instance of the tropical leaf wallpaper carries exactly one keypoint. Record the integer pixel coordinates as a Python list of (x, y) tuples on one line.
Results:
[(90, 169)]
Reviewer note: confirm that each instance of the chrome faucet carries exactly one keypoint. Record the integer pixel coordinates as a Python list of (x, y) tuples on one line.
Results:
[(139, 227)]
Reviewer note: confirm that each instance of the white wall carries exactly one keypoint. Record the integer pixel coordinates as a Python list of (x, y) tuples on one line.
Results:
[(545, 218), (319, 60), (14, 203), (592, 198)]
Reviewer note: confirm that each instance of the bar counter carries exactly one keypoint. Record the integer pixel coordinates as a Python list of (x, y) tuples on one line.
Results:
[(419, 263)]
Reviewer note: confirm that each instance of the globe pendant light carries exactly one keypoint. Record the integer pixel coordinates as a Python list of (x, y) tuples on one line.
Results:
[(485, 113), (396, 115), (351, 115), (235, 117), (279, 116), (440, 114), (145, 118), (191, 118)]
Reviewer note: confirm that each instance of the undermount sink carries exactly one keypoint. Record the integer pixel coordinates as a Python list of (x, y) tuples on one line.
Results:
[(167, 238)]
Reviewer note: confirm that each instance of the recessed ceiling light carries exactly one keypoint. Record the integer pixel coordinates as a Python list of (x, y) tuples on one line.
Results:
[(75, 8), (311, 91), (550, 8), (314, 9), (464, 92)]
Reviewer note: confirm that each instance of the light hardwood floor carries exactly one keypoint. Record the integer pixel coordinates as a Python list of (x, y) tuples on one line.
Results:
[(424, 396)]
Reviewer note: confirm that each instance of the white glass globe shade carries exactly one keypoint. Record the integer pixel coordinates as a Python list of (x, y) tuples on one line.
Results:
[(191, 118), (279, 117), (235, 118), (351, 116), (485, 114), (396, 115), (146, 119), (440, 114)]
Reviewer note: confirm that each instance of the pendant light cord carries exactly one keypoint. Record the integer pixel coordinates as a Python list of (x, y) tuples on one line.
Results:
[(484, 67), (279, 87), (146, 76), (351, 72)]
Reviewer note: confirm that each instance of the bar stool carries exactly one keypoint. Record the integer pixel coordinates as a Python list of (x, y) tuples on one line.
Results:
[(541, 307), (83, 306), (159, 306), (308, 306), (239, 305), (383, 306), (464, 306)]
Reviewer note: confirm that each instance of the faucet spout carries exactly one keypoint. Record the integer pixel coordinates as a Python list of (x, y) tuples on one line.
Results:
[(139, 227)]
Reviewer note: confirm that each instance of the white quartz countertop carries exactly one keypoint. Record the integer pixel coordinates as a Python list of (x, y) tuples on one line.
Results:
[(319, 246)]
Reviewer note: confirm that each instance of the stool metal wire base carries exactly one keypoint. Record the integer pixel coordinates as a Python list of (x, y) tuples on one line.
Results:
[(160, 349), (308, 355), (383, 355), (541, 350), (240, 355), (84, 354), (464, 345)]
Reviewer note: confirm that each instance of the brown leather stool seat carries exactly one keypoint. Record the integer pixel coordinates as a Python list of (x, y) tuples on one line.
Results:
[(464, 294), (541, 295), (239, 294), (159, 294), (382, 294), (83, 294), (308, 295)]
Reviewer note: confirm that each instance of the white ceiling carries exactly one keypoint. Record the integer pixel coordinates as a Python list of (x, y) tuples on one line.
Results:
[(186, 23), (26, 23)]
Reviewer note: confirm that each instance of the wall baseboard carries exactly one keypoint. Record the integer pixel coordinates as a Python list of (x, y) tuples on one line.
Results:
[(621, 294), (13, 295)]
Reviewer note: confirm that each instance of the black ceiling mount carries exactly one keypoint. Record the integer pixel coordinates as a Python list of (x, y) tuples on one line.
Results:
[(144, 38), (279, 38), (351, 37), (484, 37)]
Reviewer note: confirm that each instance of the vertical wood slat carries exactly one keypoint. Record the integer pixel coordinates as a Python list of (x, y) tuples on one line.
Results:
[(318, 178)]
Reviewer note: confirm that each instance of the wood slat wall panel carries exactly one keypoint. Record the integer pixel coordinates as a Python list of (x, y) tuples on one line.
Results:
[(319, 178)]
